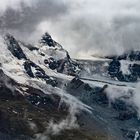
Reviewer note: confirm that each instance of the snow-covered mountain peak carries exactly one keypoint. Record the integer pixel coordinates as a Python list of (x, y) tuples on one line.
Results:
[(46, 39), (23, 61)]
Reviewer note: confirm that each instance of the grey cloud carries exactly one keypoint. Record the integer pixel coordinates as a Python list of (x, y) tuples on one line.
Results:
[(83, 27), (25, 20)]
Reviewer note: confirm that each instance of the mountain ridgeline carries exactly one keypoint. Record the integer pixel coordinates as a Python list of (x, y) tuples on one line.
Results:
[(47, 95)]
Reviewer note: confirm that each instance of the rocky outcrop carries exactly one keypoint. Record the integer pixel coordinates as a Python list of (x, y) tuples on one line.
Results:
[(135, 69), (47, 40), (86, 93), (132, 57), (14, 47), (38, 72), (114, 70), (59, 59)]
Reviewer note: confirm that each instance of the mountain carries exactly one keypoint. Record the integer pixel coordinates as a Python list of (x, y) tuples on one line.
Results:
[(47, 95), (125, 67)]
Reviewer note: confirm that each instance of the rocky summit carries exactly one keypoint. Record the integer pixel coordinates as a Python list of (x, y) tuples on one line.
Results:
[(47, 95)]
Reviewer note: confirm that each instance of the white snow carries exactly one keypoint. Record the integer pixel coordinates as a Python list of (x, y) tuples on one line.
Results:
[(125, 67), (56, 53)]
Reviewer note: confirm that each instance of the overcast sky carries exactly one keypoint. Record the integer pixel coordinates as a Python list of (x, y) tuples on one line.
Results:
[(83, 27)]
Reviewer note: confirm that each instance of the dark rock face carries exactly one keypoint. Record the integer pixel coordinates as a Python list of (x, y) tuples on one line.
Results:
[(119, 105), (38, 72), (86, 93), (28, 69), (127, 78), (68, 67), (135, 69), (7, 88), (51, 102), (126, 115), (115, 72), (76, 83), (114, 68), (47, 40), (126, 112), (134, 55), (53, 64), (14, 47), (65, 65)]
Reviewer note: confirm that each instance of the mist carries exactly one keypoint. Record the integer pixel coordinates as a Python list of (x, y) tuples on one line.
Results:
[(83, 27)]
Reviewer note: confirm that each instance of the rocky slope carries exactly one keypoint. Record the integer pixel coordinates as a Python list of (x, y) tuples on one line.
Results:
[(130, 65), (33, 103)]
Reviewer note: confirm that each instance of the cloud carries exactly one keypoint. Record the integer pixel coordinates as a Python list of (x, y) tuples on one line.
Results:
[(22, 17), (129, 96), (83, 27), (75, 107), (67, 124), (98, 27), (14, 4)]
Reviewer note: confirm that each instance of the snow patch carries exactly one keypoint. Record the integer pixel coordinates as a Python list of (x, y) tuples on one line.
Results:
[(57, 54), (125, 67)]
